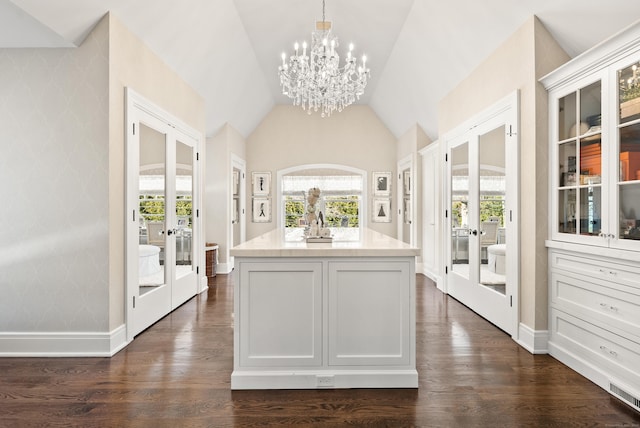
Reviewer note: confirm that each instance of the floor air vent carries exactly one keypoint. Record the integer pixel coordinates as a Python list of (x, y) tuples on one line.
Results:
[(625, 396)]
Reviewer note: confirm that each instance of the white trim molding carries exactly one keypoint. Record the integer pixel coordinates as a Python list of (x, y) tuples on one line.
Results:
[(534, 341), (67, 344)]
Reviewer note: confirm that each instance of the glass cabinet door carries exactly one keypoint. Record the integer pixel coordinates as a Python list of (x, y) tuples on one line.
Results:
[(628, 153), (580, 162)]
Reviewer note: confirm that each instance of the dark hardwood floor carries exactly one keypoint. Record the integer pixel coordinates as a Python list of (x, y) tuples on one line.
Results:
[(177, 374)]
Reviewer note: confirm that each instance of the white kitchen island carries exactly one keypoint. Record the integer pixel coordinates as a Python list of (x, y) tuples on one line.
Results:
[(337, 315)]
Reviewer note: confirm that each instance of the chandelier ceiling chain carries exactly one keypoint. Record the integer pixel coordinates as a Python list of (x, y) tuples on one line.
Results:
[(318, 82)]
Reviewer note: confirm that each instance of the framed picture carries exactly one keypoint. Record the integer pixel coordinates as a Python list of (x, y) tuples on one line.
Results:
[(236, 182), (381, 210), (261, 210), (382, 184), (183, 221), (406, 181), (261, 182)]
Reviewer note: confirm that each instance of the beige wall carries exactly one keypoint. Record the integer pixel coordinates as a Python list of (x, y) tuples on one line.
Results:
[(517, 64), (288, 137), (65, 114), (54, 174), (409, 144), (218, 190), (134, 65)]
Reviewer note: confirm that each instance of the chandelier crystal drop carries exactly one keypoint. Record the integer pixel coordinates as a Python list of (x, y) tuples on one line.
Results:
[(317, 82)]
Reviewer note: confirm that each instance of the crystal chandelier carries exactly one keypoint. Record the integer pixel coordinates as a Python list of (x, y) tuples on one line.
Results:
[(318, 82)]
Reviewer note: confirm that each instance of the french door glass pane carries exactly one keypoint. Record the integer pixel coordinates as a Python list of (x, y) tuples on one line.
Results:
[(459, 209), (184, 211), (492, 187), (152, 209)]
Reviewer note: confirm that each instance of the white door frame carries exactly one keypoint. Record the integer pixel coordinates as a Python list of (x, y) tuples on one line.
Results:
[(406, 163), (508, 107), (241, 165), (136, 107), (432, 171)]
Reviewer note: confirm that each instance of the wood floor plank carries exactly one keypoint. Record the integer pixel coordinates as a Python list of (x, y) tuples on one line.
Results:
[(177, 374)]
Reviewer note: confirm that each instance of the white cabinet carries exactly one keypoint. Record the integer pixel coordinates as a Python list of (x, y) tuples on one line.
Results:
[(324, 322), (594, 256), (594, 107), (595, 319)]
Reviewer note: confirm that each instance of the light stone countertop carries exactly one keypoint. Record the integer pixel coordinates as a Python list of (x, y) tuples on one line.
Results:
[(371, 244)]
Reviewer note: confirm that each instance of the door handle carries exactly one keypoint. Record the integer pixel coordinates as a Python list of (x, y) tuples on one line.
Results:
[(171, 232), (474, 232)]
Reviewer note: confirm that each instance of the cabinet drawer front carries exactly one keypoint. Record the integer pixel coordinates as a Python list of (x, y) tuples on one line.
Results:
[(601, 301), (614, 354), (624, 274)]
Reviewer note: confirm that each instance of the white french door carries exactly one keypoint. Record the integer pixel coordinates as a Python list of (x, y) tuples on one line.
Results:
[(162, 225), (482, 171)]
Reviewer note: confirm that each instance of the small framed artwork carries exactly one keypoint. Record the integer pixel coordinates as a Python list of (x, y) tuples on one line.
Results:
[(382, 184), (381, 210), (406, 181), (261, 210), (261, 182), (183, 222)]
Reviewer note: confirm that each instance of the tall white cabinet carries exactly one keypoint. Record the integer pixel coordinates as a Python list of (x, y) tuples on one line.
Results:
[(594, 245)]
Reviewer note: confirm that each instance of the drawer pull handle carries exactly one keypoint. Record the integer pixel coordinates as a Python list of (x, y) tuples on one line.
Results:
[(607, 306), (612, 353), (614, 273)]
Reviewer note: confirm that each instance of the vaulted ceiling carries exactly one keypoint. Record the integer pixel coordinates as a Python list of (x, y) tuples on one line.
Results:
[(229, 50)]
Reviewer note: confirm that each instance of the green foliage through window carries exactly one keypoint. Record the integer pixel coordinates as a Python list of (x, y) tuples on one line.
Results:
[(152, 207), (339, 211)]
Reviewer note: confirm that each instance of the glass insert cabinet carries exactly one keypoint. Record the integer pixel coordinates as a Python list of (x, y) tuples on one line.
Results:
[(595, 156)]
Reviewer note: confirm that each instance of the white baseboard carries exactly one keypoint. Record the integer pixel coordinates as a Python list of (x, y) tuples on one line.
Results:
[(67, 344), (433, 277), (204, 284), (534, 341), (310, 379), (224, 268)]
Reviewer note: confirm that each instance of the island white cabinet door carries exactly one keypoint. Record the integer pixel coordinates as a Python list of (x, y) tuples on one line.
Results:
[(281, 320), (370, 318)]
